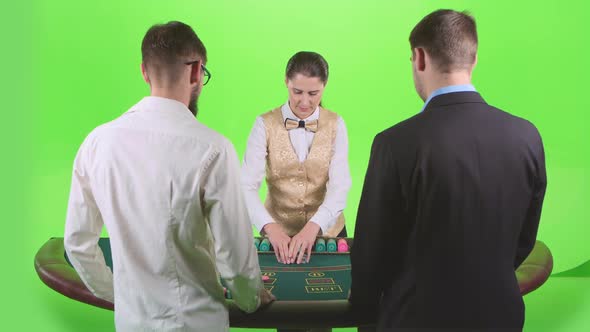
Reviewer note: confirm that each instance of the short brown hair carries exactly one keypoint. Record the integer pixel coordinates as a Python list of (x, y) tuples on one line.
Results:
[(166, 47), (449, 37)]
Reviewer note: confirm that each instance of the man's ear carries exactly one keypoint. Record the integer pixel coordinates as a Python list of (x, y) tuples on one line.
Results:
[(196, 73), (419, 58), (144, 73), (286, 81)]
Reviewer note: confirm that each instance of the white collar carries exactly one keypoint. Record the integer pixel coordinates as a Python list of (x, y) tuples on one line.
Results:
[(152, 103), (288, 113)]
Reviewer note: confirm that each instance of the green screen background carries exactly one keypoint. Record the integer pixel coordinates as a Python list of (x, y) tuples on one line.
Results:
[(68, 66)]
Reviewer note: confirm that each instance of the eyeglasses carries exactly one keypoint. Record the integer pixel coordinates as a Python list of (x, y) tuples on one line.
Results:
[(207, 72)]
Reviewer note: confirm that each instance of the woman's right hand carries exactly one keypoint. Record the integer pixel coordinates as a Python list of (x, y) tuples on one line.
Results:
[(279, 241)]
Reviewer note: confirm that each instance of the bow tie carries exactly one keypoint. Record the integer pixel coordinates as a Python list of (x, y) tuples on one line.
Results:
[(311, 125)]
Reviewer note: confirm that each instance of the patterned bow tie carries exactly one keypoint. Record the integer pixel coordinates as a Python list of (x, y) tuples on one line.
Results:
[(309, 125)]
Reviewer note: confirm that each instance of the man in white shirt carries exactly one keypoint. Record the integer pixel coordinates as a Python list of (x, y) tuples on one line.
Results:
[(167, 189)]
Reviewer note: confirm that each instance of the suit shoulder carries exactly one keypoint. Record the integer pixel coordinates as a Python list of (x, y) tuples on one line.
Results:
[(402, 128), (517, 123)]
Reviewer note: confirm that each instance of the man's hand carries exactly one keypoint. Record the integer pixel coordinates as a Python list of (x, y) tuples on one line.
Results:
[(266, 297), (302, 243), (279, 240)]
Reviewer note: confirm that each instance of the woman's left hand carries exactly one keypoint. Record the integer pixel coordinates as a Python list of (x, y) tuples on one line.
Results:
[(302, 243)]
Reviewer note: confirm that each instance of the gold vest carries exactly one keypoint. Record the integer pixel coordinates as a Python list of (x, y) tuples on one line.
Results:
[(297, 189)]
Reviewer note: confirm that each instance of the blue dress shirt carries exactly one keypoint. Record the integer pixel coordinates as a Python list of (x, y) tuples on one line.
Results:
[(448, 89)]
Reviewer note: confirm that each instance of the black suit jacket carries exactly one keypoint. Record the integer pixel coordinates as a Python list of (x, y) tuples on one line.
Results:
[(450, 208)]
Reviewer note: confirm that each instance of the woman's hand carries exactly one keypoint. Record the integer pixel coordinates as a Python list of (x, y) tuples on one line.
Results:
[(279, 240), (302, 243)]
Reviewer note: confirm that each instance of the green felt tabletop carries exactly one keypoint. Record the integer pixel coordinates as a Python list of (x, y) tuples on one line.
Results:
[(325, 277)]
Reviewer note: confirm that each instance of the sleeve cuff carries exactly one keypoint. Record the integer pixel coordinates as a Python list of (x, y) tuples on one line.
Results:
[(246, 292), (260, 225), (323, 219)]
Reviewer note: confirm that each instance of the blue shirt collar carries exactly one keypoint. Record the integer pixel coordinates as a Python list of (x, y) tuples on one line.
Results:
[(448, 89)]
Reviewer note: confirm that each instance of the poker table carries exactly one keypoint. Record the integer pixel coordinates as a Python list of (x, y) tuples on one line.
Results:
[(308, 295)]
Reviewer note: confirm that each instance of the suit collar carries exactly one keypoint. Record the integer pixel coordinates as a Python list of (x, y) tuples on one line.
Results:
[(455, 98)]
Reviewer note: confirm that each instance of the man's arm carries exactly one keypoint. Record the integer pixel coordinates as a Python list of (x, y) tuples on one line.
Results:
[(374, 241), (82, 231), (528, 233), (230, 225)]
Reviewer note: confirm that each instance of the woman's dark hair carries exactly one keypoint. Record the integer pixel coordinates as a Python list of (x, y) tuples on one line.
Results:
[(310, 64)]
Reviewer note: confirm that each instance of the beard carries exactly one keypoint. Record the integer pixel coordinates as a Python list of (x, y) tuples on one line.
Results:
[(193, 104)]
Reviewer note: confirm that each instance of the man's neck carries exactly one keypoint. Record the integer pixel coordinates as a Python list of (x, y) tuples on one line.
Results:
[(170, 93), (444, 80)]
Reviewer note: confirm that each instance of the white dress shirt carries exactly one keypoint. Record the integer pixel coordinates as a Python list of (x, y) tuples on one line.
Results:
[(167, 189), (254, 170)]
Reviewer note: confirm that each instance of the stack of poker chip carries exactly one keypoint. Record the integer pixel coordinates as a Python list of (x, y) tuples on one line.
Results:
[(342, 245), (331, 245), (226, 293), (264, 245), (320, 245)]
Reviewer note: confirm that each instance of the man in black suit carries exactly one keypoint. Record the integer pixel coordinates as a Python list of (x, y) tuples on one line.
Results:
[(451, 201)]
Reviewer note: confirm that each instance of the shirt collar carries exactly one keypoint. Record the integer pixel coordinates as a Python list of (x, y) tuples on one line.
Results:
[(448, 89), (288, 113), (151, 103)]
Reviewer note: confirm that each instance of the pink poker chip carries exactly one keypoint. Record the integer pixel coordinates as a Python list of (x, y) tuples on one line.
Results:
[(265, 278), (342, 245)]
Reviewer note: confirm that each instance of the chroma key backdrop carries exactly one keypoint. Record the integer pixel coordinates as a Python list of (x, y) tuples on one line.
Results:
[(69, 66)]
